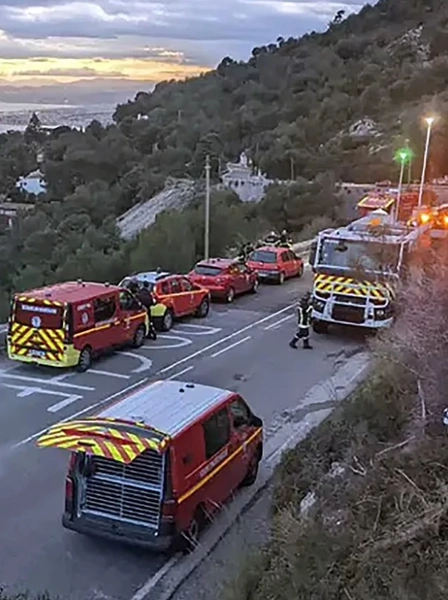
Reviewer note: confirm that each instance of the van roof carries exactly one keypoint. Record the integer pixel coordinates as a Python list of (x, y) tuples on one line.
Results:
[(70, 291), (151, 276), (167, 406)]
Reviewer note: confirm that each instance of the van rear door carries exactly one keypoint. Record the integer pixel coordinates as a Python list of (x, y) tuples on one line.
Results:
[(37, 329)]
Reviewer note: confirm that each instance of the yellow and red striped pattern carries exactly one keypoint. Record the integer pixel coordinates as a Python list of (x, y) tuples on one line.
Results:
[(23, 338), (100, 439), (352, 287)]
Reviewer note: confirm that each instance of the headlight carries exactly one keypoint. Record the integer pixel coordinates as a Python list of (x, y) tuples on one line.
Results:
[(318, 305)]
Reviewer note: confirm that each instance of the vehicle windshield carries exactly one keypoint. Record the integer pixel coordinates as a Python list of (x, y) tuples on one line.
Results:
[(263, 256), (34, 314), (363, 256), (207, 270)]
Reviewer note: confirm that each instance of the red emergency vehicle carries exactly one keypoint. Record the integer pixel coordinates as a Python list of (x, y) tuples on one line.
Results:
[(152, 468), (68, 324), (275, 264), (225, 278), (375, 201)]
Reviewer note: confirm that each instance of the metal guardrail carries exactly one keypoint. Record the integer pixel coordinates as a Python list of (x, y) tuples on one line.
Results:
[(302, 249)]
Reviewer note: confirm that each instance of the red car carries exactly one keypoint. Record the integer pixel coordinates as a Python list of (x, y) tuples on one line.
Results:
[(225, 278), (275, 264)]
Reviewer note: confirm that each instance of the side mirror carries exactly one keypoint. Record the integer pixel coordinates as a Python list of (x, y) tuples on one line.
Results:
[(256, 421)]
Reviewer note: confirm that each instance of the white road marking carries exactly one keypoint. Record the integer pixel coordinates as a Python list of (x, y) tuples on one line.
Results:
[(227, 348), (109, 374), (181, 342), (144, 591), (83, 411), (63, 403), (226, 339), (180, 373), (278, 323), (146, 362), (197, 329), (3, 374)]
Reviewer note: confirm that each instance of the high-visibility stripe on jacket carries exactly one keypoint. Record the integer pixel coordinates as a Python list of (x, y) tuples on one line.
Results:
[(304, 316)]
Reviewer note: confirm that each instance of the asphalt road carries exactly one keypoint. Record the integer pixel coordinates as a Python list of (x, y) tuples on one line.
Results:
[(242, 347)]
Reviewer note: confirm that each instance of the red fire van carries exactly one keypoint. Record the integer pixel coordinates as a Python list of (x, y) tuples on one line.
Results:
[(153, 467)]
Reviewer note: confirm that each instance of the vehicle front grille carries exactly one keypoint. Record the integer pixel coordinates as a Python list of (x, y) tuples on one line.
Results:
[(131, 493), (360, 300), (348, 314)]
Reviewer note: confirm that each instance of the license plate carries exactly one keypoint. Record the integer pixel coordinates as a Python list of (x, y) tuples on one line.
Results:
[(37, 353)]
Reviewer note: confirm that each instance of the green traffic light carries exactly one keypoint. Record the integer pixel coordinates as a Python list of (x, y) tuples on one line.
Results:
[(404, 155)]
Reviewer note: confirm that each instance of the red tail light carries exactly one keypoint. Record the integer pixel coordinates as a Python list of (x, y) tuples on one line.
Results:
[(72, 463), (169, 510), (68, 489)]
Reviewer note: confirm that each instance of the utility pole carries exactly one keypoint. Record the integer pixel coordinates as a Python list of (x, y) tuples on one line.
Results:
[(207, 208)]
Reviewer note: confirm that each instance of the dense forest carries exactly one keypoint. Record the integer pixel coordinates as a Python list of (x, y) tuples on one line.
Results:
[(299, 107)]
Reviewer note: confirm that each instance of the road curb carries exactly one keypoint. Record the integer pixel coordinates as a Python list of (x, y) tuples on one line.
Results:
[(335, 389)]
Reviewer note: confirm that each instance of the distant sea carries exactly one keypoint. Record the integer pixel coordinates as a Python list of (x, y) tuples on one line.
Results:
[(16, 116)]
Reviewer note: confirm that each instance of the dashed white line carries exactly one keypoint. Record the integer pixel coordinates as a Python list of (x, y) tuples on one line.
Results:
[(227, 348), (225, 339), (109, 374), (278, 323), (63, 403), (180, 373)]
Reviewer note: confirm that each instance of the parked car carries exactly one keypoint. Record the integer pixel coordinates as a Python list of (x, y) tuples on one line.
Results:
[(225, 278), (177, 295), (153, 468), (275, 264)]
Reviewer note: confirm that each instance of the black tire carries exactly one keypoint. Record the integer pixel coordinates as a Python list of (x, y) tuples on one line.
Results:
[(281, 278), (85, 360), (203, 309), (252, 471), (320, 327), (300, 273), (168, 320), (254, 288), (230, 296), (190, 538), (139, 337)]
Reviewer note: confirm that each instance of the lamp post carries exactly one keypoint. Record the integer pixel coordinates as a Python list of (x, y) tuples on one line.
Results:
[(207, 208), (429, 122), (403, 156)]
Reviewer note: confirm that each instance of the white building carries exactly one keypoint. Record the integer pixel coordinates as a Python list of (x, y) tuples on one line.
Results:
[(240, 178), (33, 183)]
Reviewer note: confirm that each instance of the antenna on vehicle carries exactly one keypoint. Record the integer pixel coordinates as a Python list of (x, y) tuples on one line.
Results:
[(190, 385), (107, 284), (181, 390)]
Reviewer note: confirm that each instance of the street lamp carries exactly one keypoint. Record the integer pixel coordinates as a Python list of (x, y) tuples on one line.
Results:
[(429, 122)]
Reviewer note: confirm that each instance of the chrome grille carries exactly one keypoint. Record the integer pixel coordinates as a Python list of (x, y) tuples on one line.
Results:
[(131, 493), (360, 300)]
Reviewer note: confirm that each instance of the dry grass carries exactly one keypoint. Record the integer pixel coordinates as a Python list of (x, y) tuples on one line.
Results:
[(378, 472)]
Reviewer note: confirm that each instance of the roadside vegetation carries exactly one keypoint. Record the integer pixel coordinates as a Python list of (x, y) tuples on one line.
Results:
[(360, 509)]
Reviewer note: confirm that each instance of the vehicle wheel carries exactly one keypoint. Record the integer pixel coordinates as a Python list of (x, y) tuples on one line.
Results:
[(190, 537), (255, 286), (230, 296), (300, 272), (139, 337), (167, 320), (252, 471), (203, 309), (281, 278), (320, 327), (85, 359)]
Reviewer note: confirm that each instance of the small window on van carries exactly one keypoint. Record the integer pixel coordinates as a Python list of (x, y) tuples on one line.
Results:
[(165, 288), (216, 432), (241, 415), (103, 309)]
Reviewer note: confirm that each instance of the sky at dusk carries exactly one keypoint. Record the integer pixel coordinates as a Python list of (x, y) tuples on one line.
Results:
[(43, 41)]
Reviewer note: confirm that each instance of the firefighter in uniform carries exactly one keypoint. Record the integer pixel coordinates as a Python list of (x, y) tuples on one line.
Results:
[(304, 310)]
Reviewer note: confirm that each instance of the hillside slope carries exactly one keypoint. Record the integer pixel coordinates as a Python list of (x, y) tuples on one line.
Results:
[(293, 103)]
